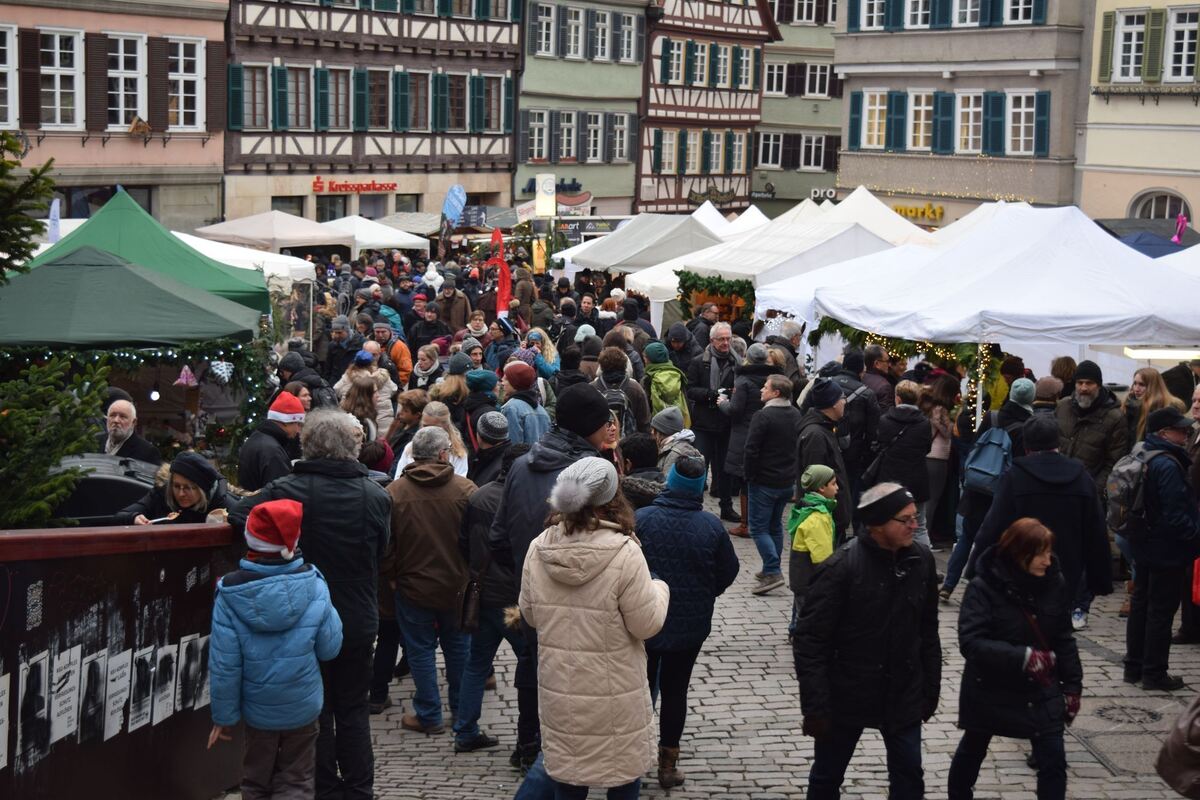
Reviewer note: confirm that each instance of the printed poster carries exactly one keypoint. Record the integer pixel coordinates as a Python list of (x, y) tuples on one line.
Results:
[(33, 716), (93, 674), (117, 693), (64, 693), (142, 680), (5, 689), (187, 687), (166, 659), (205, 697)]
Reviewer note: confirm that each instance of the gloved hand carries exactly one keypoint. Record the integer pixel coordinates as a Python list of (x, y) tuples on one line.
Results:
[(1039, 666), (1072, 707), (817, 727)]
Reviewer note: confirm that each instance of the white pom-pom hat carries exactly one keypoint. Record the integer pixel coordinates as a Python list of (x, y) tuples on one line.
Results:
[(588, 482)]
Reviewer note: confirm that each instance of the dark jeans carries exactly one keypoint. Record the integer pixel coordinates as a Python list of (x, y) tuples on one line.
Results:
[(1151, 613), (832, 753), (387, 648), (630, 791), (714, 445), (538, 785), (1048, 752), (766, 507), (424, 630), (279, 764), (344, 742), (671, 674), (484, 644)]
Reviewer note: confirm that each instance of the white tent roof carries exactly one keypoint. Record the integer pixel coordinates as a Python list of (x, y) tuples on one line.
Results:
[(1187, 260), (750, 219), (646, 240), (274, 230), (804, 211), (418, 222), (828, 204), (277, 268), (1027, 275), (982, 213), (867, 210), (711, 218), (370, 235)]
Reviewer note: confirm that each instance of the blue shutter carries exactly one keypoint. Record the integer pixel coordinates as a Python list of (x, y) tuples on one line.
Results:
[(279, 91), (509, 103), (855, 131), (321, 94), (706, 165), (1041, 125), (897, 118), (656, 153), (362, 102), (235, 114), (939, 16), (853, 15), (401, 120), (943, 122), (893, 15), (1039, 12), (664, 66), (993, 123)]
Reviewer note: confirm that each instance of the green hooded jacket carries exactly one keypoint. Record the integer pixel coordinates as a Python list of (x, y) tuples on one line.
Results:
[(665, 384)]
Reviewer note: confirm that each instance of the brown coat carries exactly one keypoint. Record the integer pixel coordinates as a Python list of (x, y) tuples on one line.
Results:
[(524, 292), (454, 312), (1097, 438), (423, 560)]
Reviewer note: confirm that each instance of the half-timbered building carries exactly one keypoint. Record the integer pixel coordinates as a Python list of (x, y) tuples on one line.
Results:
[(370, 106), (702, 100)]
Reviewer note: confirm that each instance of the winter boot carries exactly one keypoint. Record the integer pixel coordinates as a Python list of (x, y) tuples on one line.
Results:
[(668, 774), (741, 530)]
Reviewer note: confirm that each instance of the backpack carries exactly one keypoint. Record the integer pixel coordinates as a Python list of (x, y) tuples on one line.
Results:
[(990, 458), (856, 435), (1126, 513), (323, 397), (618, 403)]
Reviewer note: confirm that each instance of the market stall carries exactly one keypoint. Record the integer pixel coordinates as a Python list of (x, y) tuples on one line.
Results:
[(646, 240), (275, 230), (371, 235)]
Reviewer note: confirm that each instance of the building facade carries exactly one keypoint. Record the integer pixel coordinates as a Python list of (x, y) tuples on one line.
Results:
[(701, 101), (1142, 123), (796, 147), (954, 102), (369, 107), (124, 92), (579, 103)]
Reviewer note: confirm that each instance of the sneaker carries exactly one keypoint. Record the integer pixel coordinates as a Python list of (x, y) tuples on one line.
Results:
[(758, 576), (1079, 619), (1166, 683), (481, 741), (766, 583), (944, 594), (377, 707)]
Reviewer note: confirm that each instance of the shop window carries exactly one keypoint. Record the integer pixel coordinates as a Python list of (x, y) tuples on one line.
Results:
[(289, 204), (331, 206), (408, 203), (1162, 205), (372, 206)]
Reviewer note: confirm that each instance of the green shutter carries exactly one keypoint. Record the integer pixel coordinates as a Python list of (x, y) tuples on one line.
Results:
[(235, 114), (408, 6), (1039, 12), (1041, 125), (362, 102), (1152, 60), (853, 15), (893, 15), (664, 66), (514, 10), (757, 70), (713, 50), (681, 152), (728, 152), (385, 5), (735, 66), (689, 62), (364, 4), (321, 95), (656, 152), (445, 8), (441, 101), (943, 122), (509, 103), (1107, 30), (483, 9), (897, 119), (939, 14), (855, 128), (993, 123), (706, 152), (279, 90), (400, 100), (993, 12), (475, 89)]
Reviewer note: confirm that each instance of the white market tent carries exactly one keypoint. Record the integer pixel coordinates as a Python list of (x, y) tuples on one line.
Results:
[(1187, 260), (274, 230), (646, 240), (280, 270), (711, 218), (982, 213), (371, 235), (749, 219), (417, 222), (869, 211)]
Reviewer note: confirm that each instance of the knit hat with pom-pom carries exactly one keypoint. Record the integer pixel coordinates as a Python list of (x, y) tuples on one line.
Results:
[(587, 483)]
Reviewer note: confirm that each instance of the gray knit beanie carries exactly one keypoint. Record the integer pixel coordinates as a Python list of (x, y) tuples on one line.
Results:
[(587, 483)]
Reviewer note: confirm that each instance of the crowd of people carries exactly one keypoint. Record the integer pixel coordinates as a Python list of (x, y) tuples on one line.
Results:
[(537, 478)]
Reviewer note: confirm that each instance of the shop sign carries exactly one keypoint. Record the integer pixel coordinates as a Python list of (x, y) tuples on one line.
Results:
[(926, 213), (322, 186), (562, 186), (766, 193), (589, 227), (713, 195)]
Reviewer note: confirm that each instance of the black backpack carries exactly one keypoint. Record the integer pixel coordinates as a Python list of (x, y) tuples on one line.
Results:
[(618, 403)]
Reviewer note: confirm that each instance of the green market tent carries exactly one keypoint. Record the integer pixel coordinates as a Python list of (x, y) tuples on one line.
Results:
[(92, 299), (123, 228)]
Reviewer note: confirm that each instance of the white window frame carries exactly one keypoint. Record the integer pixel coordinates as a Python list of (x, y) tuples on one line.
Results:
[(291, 122), (882, 105), (745, 68), (602, 36), (427, 76), (1028, 99), (812, 144), (716, 152), (1023, 9), (1174, 28), (804, 12), (770, 151), (539, 133), (247, 115), (700, 63), (816, 71), (620, 137), (1167, 198), (138, 74), (576, 30), (546, 27), (12, 81), (963, 11), (669, 152), (201, 80), (872, 15), (739, 153), (1136, 31), (349, 73), (775, 73), (568, 136), (595, 137), (675, 74), (724, 54), (920, 11), (694, 142), (912, 121), (628, 54), (832, 18), (76, 73), (390, 114), (973, 112)]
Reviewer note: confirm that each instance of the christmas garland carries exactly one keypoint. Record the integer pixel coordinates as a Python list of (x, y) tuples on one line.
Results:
[(690, 282), (941, 354)]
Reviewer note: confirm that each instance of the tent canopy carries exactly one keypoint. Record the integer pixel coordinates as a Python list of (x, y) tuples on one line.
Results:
[(867, 210), (275, 230), (749, 219), (1151, 244), (370, 235), (646, 240), (123, 228), (969, 222), (103, 301), (712, 219), (420, 223), (279, 269)]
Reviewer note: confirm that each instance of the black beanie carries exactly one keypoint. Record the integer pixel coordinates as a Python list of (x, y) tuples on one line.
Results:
[(884, 508), (631, 310), (824, 393), (1089, 371), (853, 361), (582, 409), (196, 469)]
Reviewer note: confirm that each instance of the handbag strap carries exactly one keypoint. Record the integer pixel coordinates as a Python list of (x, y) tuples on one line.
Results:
[(1037, 631), (895, 439)]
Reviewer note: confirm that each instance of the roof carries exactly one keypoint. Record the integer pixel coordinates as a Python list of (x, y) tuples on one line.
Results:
[(275, 230), (869, 211), (1163, 227), (1151, 244), (646, 240), (371, 235), (417, 222)]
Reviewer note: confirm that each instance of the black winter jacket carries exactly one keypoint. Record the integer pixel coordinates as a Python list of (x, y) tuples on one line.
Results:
[(322, 395), (974, 505), (688, 548), (702, 396), (643, 486), (135, 447), (744, 405), (341, 355), (997, 697), (884, 389), (866, 648), (792, 367), (345, 532), (688, 352), (154, 506), (904, 437), (770, 449), (264, 457), (859, 427), (486, 464), (818, 444), (1173, 538), (500, 584)]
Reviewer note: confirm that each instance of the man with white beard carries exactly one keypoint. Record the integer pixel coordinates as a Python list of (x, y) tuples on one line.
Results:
[(122, 438)]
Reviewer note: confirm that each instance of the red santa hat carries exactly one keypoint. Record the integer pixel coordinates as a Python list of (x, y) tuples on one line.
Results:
[(274, 527), (286, 408)]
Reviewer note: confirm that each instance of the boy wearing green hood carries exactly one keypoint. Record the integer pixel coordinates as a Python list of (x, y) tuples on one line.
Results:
[(664, 382), (811, 528)]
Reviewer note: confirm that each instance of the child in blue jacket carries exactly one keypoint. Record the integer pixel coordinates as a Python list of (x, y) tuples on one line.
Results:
[(272, 622)]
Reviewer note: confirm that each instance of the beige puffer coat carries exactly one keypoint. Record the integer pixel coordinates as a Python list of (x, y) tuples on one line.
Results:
[(592, 600), (385, 388)]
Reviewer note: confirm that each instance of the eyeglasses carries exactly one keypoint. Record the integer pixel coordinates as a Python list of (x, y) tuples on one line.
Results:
[(612, 423), (907, 519)]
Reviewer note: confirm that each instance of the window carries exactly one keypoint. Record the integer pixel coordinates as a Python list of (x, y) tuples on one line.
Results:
[(499, 9), (966, 12), (339, 99), (418, 101), (372, 206), (566, 136), (255, 98), (693, 152), (970, 123), (739, 152), (832, 12), (8, 77), (185, 70), (379, 97), (745, 68), (61, 79), (462, 8), (920, 120), (770, 149), (600, 37), (716, 143), (1162, 206), (545, 31), (1019, 11), (675, 68), (668, 151), (457, 118), (1182, 63), (699, 64), (289, 204), (574, 47), (722, 66), (537, 135), (299, 98), (806, 11), (812, 151), (874, 119), (595, 137), (620, 137), (816, 81), (1131, 45), (872, 15), (628, 32), (1020, 124), (775, 79), (493, 104), (330, 206), (916, 14), (125, 82), (410, 203)]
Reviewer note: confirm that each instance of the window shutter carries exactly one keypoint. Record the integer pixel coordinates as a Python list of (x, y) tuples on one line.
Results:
[(897, 118), (483, 9), (385, 5), (609, 143), (95, 81), (475, 103), (1039, 12), (236, 113), (440, 83), (664, 66), (939, 14), (893, 15), (581, 136), (793, 81), (589, 34), (634, 145), (408, 6), (943, 122), (614, 35), (785, 11), (554, 145), (853, 15), (641, 38), (728, 152), (995, 12), (757, 70), (706, 165), (31, 77), (523, 136), (1108, 27), (735, 66), (755, 156), (833, 145), (560, 17), (656, 152), (789, 151), (514, 10), (401, 97), (321, 94), (713, 50), (822, 12), (509, 103), (362, 101), (215, 90), (836, 85), (854, 131), (689, 62), (445, 8), (531, 29), (993, 123), (1156, 24), (156, 86), (364, 4), (1041, 125), (681, 152)]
